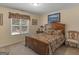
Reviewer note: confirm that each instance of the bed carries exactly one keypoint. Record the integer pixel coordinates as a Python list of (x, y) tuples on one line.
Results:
[(47, 43)]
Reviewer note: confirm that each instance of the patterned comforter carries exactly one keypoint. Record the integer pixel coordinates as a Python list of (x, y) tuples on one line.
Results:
[(54, 41)]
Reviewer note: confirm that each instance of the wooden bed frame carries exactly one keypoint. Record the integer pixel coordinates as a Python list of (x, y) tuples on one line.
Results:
[(39, 46)]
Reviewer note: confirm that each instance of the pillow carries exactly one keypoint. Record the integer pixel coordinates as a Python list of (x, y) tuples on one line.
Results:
[(47, 26), (49, 31), (57, 32)]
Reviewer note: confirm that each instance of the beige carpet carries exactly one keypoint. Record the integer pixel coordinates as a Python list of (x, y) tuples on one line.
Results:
[(65, 50), (20, 49)]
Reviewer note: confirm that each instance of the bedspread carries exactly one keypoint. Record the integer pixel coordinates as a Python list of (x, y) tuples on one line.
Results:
[(54, 41)]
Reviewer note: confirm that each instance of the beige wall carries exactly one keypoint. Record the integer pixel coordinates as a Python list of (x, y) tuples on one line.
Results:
[(5, 37), (70, 17)]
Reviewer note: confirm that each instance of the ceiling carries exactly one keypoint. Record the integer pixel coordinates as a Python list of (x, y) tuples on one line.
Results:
[(42, 8)]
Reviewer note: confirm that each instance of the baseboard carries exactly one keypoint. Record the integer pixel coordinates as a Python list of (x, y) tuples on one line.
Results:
[(4, 45)]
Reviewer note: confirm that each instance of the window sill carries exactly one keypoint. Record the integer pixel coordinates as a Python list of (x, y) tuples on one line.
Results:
[(16, 33)]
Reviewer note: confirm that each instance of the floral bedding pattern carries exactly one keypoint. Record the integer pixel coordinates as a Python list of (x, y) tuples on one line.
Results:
[(54, 41)]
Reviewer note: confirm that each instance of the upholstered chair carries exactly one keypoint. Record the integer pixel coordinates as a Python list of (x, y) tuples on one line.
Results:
[(72, 39)]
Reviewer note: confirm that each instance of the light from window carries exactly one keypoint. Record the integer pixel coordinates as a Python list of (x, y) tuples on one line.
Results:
[(19, 26)]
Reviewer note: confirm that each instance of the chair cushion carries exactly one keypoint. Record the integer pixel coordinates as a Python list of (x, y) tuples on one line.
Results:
[(74, 41)]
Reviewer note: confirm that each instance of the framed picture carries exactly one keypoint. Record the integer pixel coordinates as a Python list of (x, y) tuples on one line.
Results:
[(34, 21), (1, 19), (54, 18)]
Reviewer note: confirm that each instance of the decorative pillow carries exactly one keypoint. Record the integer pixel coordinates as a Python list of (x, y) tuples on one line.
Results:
[(48, 26), (57, 32), (49, 31)]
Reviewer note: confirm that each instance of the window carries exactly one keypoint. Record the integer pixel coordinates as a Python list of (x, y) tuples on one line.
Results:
[(19, 23), (19, 26)]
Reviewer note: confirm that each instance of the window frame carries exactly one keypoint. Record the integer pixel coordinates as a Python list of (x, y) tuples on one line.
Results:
[(20, 25)]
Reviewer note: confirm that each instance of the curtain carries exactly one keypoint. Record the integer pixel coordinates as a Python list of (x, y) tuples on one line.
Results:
[(18, 16)]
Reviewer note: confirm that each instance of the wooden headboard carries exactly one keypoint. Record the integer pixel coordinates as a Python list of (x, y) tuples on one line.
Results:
[(59, 26), (56, 26)]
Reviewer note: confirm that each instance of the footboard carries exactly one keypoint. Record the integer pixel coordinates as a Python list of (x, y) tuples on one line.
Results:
[(36, 45)]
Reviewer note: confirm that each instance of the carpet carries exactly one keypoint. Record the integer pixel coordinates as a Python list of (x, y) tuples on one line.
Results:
[(4, 53)]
